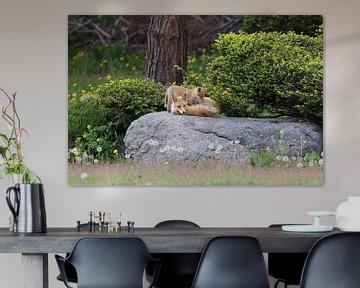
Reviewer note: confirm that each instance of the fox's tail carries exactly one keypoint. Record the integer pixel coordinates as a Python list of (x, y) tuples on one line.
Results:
[(202, 110)]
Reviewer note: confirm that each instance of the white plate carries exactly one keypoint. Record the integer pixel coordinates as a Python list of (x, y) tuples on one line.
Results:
[(321, 213), (306, 228), (350, 229)]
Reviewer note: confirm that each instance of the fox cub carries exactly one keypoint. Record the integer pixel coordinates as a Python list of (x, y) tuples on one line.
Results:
[(193, 96), (181, 100)]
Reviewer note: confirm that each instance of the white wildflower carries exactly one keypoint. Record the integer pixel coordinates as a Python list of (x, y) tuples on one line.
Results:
[(127, 156), (311, 164), (278, 157), (285, 159), (153, 142), (237, 141), (99, 149), (74, 150), (96, 161), (321, 162), (167, 148), (299, 165), (84, 175), (180, 149), (211, 146)]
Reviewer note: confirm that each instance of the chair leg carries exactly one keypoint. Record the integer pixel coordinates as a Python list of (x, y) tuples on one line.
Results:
[(279, 281)]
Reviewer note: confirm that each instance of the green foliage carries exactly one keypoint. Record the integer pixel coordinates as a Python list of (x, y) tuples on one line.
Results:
[(84, 111), (300, 24), (278, 155), (278, 73), (101, 63), (95, 145), (129, 99)]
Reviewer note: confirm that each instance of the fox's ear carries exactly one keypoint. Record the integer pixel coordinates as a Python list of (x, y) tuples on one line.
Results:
[(174, 98), (200, 89), (184, 96)]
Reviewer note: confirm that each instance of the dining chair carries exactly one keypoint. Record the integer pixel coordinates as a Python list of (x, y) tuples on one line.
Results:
[(178, 269), (108, 263), (285, 267), (69, 269), (333, 262), (231, 262)]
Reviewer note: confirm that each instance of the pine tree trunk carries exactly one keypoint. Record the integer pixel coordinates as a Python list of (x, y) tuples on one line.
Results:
[(167, 47)]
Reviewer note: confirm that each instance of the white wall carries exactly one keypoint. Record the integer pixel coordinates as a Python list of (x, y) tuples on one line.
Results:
[(33, 62)]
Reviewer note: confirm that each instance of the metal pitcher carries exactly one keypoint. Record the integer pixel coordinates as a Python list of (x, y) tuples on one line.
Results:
[(27, 207)]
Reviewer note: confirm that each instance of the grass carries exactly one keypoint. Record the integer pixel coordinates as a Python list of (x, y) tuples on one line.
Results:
[(101, 63), (193, 175)]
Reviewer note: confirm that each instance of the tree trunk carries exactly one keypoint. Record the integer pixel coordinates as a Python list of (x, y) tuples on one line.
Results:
[(167, 47)]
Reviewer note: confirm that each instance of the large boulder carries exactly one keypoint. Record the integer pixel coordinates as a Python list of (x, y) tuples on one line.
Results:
[(166, 138)]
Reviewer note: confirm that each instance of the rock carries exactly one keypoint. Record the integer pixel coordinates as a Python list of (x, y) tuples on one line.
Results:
[(166, 138)]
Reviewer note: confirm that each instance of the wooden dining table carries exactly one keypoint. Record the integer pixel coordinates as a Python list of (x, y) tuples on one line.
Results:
[(35, 247)]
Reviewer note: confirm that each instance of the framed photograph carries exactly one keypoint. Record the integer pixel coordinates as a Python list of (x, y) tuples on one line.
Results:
[(195, 100)]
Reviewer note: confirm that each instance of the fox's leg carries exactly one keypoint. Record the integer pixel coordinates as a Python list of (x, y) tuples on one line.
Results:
[(166, 99), (169, 101)]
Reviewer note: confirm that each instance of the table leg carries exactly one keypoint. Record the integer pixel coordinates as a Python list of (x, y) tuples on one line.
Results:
[(35, 270)]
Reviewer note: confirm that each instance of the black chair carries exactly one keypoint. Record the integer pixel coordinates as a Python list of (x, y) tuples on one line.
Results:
[(286, 267), (178, 269), (108, 263), (69, 269), (333, 262), (232, 262)]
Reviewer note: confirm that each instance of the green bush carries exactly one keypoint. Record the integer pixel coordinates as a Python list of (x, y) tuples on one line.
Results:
[(280, 74), (300, 24), (129, 99), (96, 145), (83, 112)]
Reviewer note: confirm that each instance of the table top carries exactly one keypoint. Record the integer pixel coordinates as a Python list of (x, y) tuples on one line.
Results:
[(158, 240)]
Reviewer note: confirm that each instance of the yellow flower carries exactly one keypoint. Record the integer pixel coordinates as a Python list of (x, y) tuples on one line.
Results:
[(100, 78), (115, 151), (85, 135), (98, 140), (88, 127), (108, 77)]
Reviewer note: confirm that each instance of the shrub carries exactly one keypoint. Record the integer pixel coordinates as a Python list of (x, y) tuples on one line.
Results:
[(83, 112), (129, 99), (95, 145), (300, 24), (278, 73)]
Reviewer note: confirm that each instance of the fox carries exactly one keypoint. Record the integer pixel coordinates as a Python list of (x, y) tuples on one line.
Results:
[(180, 106), (193, 96)]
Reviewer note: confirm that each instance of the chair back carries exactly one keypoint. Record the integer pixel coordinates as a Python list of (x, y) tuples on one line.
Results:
[(286, 267), (333, 262), (176, 224), (178, 269), (110, 262), (232, 262)]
